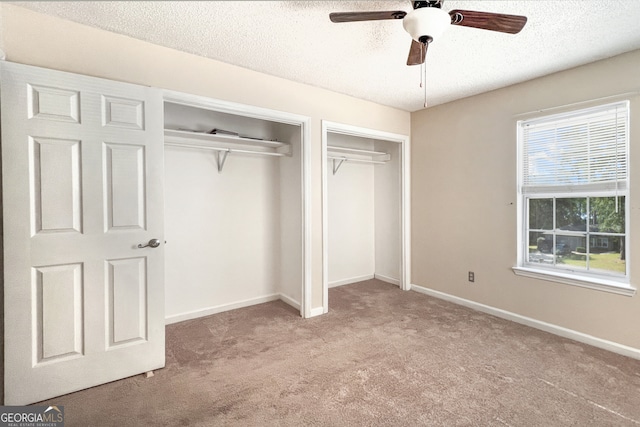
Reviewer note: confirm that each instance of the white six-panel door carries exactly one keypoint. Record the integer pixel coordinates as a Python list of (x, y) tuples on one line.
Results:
[(82, 172)]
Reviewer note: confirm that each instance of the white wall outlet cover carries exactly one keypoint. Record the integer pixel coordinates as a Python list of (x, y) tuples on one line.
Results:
[(2, 55)]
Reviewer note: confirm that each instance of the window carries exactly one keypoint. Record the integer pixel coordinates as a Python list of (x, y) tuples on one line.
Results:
[(573, 196)]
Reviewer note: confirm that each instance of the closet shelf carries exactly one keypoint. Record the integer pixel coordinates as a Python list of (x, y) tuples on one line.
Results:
[(190, 137), (347, 150), (340, 155), (225, 144)]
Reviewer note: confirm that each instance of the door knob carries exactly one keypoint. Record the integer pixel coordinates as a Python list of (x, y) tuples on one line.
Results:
[(153, 243)]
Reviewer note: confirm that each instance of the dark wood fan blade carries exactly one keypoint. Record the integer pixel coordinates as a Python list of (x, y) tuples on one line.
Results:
[(366, 16), (511, 24), (417, 53)]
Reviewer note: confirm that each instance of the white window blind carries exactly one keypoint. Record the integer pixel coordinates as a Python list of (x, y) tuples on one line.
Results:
[(581, 151)]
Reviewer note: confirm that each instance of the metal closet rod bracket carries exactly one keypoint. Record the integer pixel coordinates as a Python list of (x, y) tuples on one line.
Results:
[(337, 163), (222, 157)]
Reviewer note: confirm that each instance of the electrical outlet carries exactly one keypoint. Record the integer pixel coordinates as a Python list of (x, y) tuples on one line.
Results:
[(472, 276)]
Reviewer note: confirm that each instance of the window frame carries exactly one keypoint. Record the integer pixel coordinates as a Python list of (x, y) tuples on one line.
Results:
[(599, 280)]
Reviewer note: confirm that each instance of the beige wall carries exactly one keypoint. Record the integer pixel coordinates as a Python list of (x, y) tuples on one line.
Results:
[(464, 200), (32, 38)]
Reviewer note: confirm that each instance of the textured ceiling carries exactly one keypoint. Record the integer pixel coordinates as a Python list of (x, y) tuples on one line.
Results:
[(295, 40)]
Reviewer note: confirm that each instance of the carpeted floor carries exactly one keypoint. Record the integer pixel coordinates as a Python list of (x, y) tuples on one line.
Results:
[(382, 356)]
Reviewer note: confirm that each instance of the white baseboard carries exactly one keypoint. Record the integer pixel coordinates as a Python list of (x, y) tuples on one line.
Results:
[(350, 280), (220, 308), (538, 324), (387, 279), (288, 300), (318, 311)]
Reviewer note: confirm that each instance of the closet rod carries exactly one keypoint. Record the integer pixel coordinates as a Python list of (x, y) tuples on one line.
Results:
[(356, 150), (229, 150), (222, 153), (341, 160), (377, 162)]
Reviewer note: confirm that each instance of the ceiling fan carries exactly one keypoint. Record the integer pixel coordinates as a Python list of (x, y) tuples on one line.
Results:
[(427, 21)]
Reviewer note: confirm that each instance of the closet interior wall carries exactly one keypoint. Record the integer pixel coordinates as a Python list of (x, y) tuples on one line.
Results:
[(388, 214), (364, 211), (234, 237)]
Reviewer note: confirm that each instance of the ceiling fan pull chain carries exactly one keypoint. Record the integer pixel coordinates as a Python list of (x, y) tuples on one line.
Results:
[(425, 96), (421, 75), (425, 83)]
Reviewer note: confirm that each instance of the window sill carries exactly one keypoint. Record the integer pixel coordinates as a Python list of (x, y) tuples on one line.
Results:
[(604, 285)]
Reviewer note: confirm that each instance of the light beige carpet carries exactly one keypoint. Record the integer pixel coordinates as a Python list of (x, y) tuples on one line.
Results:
[(382, 356)]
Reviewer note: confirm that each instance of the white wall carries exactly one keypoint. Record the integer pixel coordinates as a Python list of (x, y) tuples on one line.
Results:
[(350, 199), (387, 187), (2, 53), (290, 216), (210, 216), (224, 231), (364, 236)]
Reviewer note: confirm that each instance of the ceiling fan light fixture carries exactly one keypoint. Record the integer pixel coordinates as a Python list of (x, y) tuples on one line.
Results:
[(426, 22)]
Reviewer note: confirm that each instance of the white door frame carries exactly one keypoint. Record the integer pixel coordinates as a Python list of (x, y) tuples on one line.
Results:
[(280, 117), (405, 200)]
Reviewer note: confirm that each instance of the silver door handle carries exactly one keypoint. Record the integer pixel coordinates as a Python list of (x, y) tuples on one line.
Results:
[(153, 243)]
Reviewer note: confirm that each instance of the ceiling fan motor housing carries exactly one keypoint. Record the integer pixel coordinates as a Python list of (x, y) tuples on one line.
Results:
[(426, 24)]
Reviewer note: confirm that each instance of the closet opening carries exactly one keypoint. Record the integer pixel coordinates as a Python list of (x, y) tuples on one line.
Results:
[(365, 207), (236, 207)]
